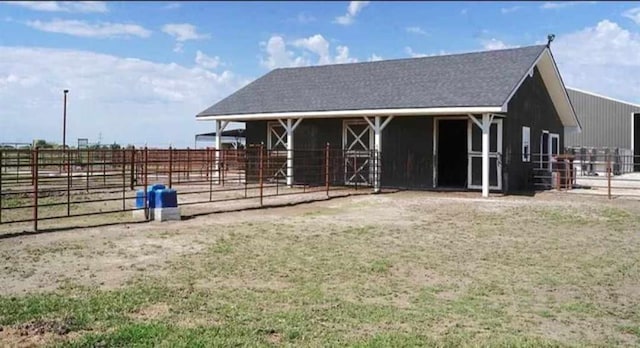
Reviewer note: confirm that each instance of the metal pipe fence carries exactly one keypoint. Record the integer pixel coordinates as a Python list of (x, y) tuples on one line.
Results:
[(47, 184), (611, 174)]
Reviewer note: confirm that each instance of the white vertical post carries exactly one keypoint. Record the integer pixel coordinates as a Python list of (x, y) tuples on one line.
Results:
[(217, 152), (289, 130), (220, 126), (377, 147), (486, 127)]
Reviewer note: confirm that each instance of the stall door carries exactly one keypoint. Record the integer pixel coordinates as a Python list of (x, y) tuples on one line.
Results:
[(276, 161), (495, 155), (357, 143)]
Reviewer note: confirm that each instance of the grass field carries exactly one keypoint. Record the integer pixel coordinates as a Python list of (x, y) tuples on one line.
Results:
[(402, 269)]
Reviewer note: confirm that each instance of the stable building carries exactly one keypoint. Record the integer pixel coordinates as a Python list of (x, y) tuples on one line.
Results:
[(481, 120)]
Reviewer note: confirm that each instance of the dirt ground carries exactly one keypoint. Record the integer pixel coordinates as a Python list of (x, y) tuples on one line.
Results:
[(452, 266)]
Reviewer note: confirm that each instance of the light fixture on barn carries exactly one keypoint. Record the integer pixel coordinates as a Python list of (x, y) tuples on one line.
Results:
[(550, 39)]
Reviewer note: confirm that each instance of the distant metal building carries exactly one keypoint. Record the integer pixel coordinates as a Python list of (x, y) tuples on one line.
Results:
[(606, 122)]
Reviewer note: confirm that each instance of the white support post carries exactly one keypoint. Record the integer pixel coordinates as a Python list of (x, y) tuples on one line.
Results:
[(290, 127), (377, 147), (220, 126), (377, 128), (486, 127)]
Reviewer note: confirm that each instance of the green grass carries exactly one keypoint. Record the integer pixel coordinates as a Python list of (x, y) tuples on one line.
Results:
[(460, 276)]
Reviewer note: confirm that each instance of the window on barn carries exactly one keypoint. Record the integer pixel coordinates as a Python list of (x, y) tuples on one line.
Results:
[(526, 144)]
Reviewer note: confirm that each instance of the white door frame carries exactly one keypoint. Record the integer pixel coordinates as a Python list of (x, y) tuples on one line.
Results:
[(349, 154), (551, 149), (478, 154)]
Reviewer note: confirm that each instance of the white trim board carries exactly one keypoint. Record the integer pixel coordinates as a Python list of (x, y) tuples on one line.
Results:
[(359, 113)]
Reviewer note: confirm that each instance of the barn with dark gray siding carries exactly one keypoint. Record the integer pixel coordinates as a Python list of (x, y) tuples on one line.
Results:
[(464, 121)]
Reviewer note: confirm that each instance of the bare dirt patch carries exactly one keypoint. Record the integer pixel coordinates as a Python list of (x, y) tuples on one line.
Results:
[(448, 266)]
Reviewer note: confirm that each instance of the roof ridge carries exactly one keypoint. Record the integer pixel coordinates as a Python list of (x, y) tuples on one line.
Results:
[(409, 58)]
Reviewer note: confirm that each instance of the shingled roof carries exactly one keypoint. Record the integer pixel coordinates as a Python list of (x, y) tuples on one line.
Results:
[(458, 80)]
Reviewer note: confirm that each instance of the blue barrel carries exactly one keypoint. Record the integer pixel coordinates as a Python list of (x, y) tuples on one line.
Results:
[(151, 196), (139, 199), (151, 193), (166, 198)]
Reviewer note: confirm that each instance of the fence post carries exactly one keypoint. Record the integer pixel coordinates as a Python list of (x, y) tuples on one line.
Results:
[(326, 169), (260, 171), (210, 172), (35, 188), (124, 178), (221, 165), (68, 165), (88, 167), (132, 169), (146, 199), (609, 176), (188, 164), (104, 167), (170, 167)]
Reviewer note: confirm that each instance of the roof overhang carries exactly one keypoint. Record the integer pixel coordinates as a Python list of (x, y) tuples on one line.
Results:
[(358, 113), (556, 89)]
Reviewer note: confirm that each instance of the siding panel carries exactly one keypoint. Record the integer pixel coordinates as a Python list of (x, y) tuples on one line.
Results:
[(605, 122)]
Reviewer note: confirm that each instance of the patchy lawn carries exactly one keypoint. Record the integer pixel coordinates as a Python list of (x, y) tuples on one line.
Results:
[(403, 269)]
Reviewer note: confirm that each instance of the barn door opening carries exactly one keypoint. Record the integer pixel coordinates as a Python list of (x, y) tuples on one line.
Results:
[(495, 155), (357, 143), (452, 153)]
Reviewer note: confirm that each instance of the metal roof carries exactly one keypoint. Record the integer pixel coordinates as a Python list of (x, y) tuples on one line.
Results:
[(460, 80)]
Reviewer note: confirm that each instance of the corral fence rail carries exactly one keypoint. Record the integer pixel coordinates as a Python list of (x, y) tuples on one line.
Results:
[(47, 184)]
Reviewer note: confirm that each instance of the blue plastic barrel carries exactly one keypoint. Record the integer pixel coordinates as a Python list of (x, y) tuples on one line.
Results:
[(166, 198)]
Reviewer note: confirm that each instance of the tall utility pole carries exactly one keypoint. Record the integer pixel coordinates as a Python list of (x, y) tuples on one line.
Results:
[(64, 121)]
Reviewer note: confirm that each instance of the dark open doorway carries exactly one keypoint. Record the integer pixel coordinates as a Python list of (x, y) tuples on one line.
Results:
[(452, 153)]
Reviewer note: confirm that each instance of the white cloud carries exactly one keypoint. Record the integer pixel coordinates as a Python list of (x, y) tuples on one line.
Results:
[(278, 55), (352, 11), (62, 6), (409, 51), (416, 30), (184, 32), (604, 58), (374, 58), (297, 53), (506, 10), (128, 100), (207, 62), (85, 29), (633, 14), (316, 44), (551, 5), (495, 44), (343, 56)]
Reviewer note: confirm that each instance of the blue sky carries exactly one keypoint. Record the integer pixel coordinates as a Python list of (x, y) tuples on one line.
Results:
[(139, 71)]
